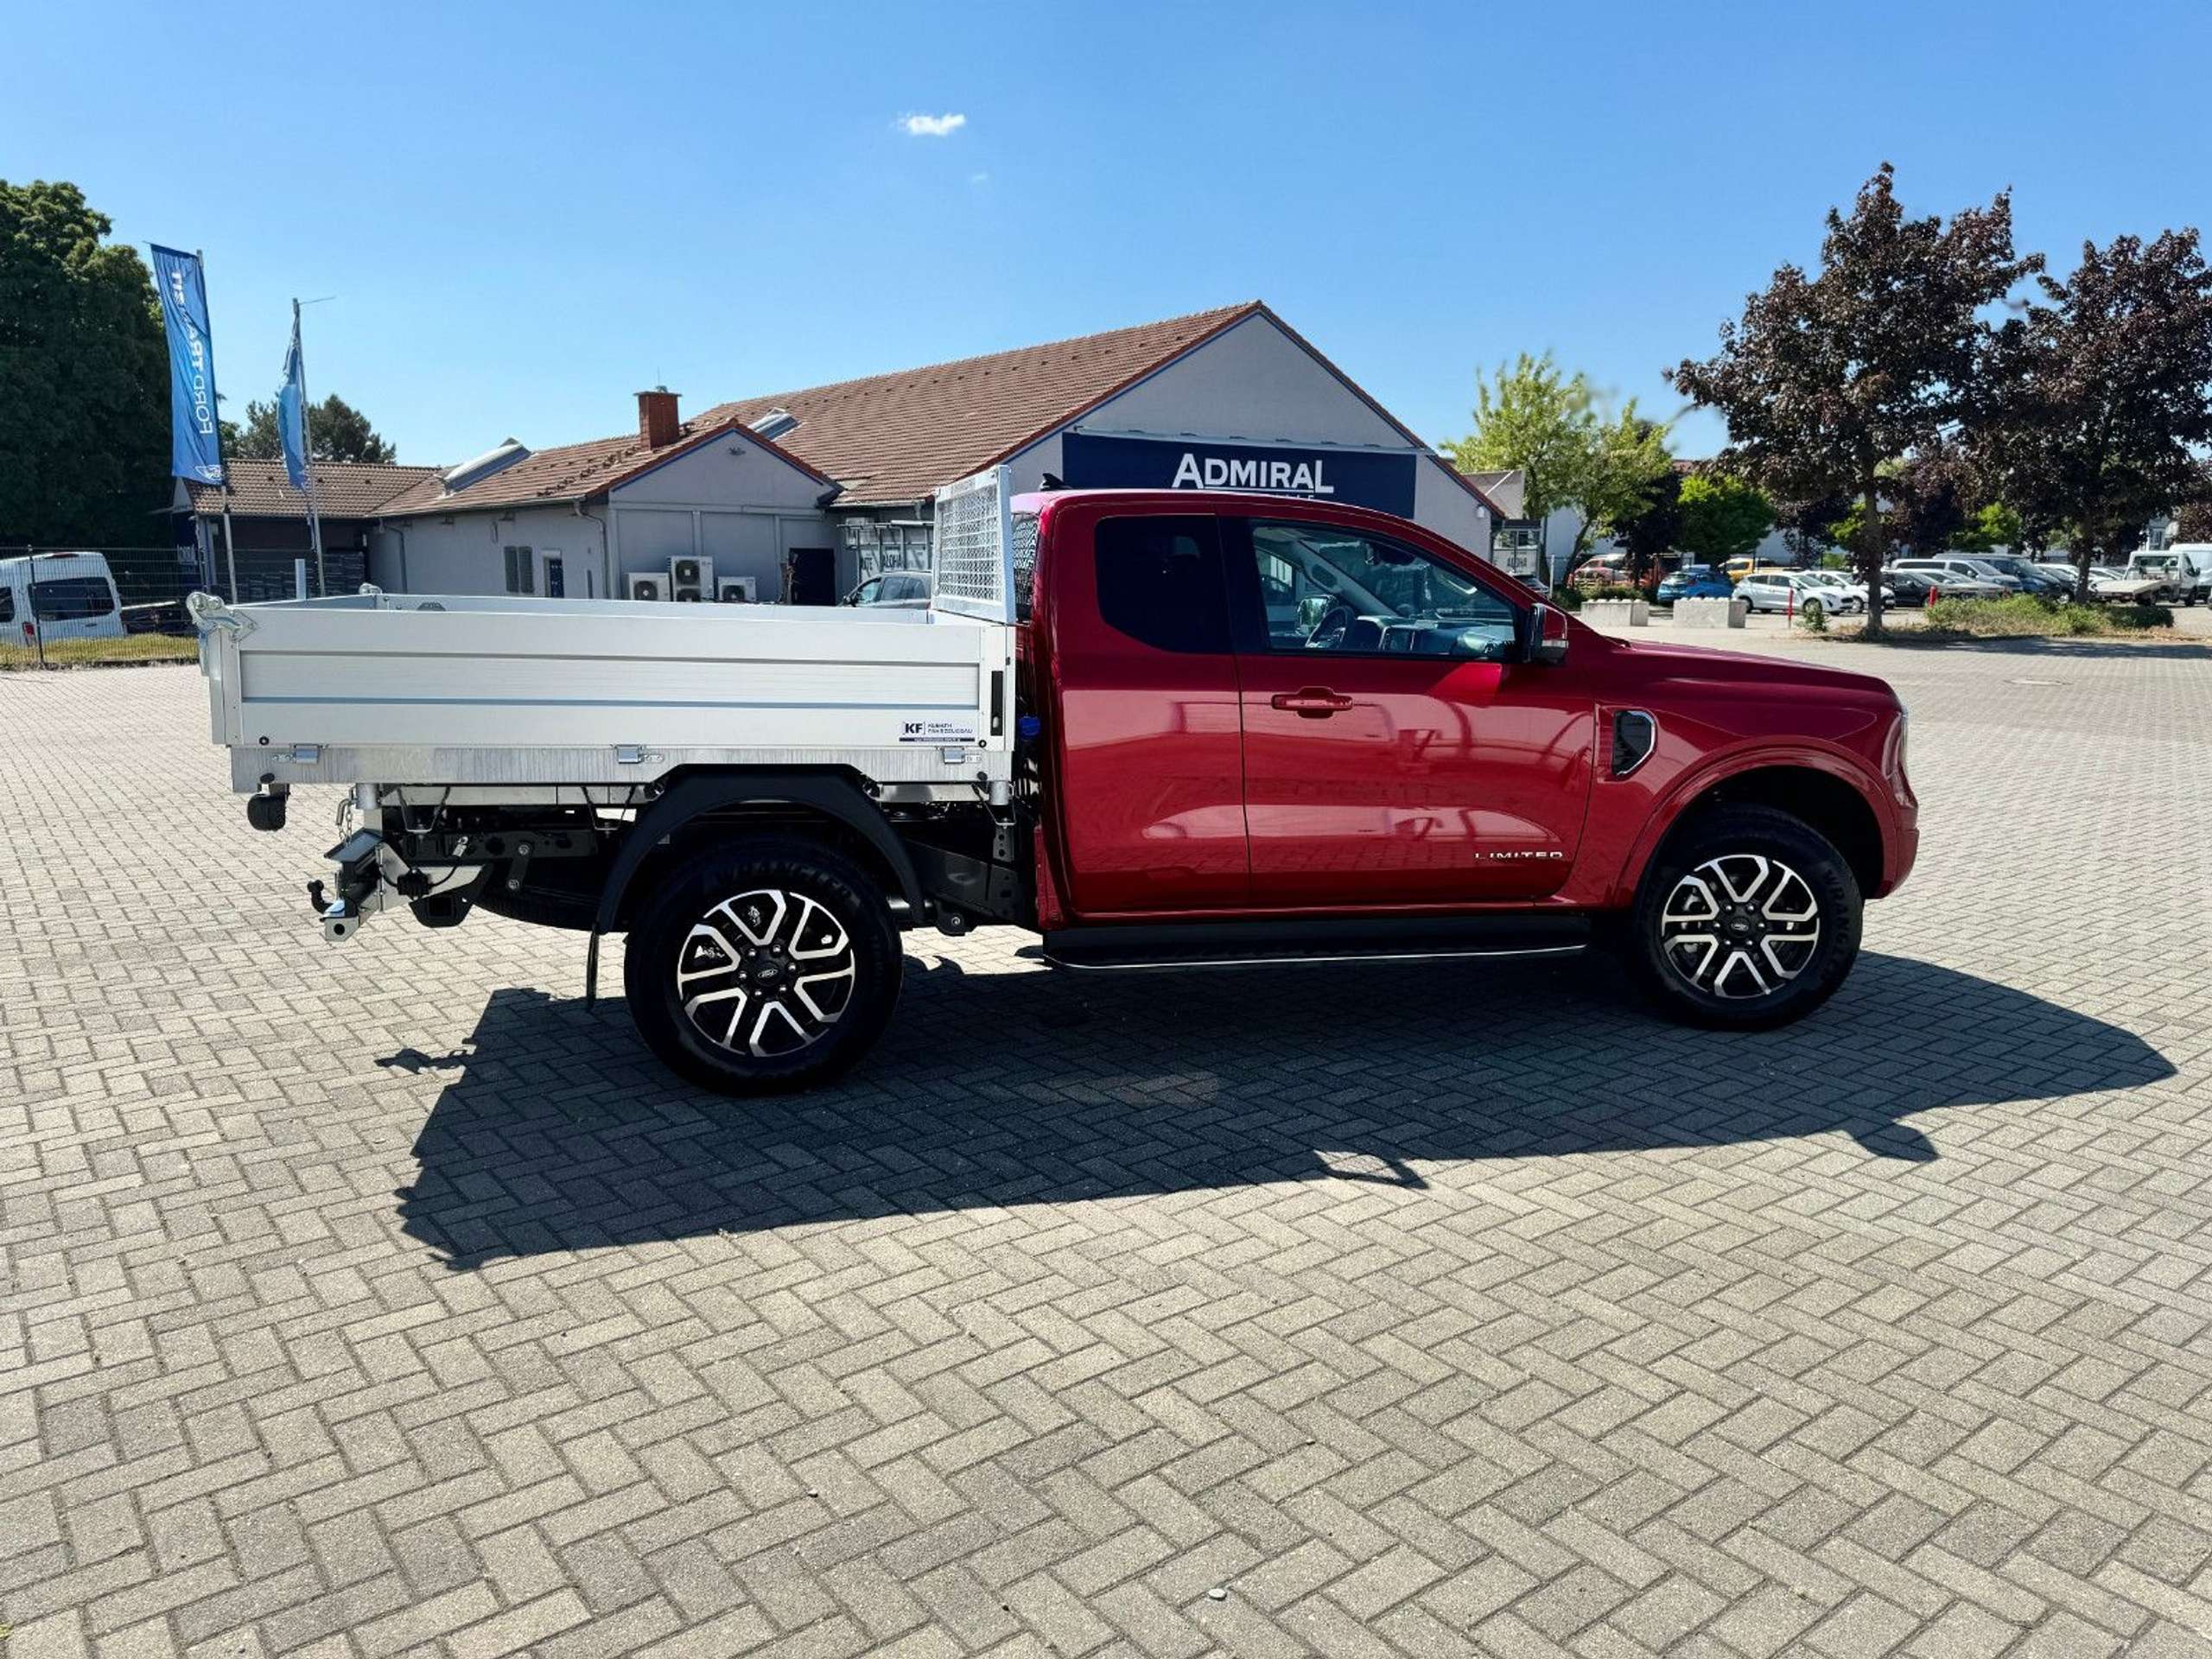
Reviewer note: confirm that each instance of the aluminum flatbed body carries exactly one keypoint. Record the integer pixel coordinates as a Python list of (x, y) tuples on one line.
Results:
[(493, 694)]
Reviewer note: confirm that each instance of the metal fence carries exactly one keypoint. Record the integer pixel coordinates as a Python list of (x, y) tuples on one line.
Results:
[(152, 582)]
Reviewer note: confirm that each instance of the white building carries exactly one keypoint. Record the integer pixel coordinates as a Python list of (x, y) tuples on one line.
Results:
[(806, 492)]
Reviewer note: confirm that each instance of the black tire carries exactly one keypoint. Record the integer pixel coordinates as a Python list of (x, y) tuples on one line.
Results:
[(1759, 971), (778, 1038)]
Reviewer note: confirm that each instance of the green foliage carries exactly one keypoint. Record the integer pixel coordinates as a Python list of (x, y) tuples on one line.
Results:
[(1814, 618), (93, 653), (1988, 529), (1536, 417), (1882, 354), (1617, 590), (1836, 560), (1649, 530), (1568, 597), (1723, 518), (336, 431), (2105, 403), (84, 377), (1628, 464), (2024, 615)]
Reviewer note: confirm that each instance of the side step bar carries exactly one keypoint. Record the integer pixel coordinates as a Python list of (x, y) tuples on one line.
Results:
[(1270, 944)]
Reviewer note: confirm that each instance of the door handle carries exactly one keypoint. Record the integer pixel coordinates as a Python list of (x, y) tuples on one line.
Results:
[(1312, 703)]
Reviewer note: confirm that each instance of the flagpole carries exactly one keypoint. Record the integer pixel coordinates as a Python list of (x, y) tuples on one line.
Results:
[(306, 448), (230, 548)]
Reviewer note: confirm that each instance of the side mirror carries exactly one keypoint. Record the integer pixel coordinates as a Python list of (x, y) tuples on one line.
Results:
[(1310, 610), (1546, 635)]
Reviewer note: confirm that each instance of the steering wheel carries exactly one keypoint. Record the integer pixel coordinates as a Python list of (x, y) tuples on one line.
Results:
[(1329, 631)]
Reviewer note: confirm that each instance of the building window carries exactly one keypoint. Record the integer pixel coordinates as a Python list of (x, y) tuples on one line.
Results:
[(522, 571), (877, 545)]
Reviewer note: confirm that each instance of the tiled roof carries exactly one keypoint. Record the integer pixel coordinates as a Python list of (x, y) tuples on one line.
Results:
[(572, 472), (343, 489), (893, 438)]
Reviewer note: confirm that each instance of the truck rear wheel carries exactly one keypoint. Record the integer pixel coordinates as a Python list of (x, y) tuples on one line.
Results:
[(761, 966), (1749, 918)]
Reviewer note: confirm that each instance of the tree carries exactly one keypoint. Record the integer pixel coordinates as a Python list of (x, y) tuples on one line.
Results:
[(2193, 522), (2107, 397), (1627, 462), (1810, 523), (1886, 350), (1537, 419), (1546, 423), (1724, 517), (1989, 528), (84, 377), (336, 431), (1650, 531)]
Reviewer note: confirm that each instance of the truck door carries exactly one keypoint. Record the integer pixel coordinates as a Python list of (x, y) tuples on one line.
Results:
[(1394, 750), (1148, 750)]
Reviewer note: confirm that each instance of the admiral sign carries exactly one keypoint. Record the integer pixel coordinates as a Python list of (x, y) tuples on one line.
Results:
[(1362, 478)]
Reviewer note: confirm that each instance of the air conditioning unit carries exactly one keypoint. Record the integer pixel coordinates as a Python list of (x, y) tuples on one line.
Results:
[(691, 579), (647, 585), (734, 590)]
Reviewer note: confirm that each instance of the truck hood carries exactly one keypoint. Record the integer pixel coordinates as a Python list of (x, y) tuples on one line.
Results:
[(1684, 664)]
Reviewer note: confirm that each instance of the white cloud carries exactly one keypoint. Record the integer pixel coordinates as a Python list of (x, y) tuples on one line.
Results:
[(931, 126), (979, 179)]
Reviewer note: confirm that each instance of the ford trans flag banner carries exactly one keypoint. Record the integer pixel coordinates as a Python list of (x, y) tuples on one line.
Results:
[(195, 441)]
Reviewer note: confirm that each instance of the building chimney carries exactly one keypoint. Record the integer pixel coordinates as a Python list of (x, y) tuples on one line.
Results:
[(656, 421)]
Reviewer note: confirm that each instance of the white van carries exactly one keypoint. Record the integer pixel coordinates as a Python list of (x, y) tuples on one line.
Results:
[(2186, 566), (59, 595)]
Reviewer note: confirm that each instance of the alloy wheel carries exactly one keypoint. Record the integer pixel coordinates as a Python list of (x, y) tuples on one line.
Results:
[(1740, 925), (765, 973)]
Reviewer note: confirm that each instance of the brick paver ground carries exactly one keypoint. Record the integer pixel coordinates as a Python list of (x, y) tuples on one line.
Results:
[(381, 1299)]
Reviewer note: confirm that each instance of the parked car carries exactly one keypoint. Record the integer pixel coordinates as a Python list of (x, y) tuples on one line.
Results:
[(1694, 581), (58, 596), (1909, 589), (1953, 572), (906, 590), (1604, 570), (1737, 568), (2031, 576), (1848, 586), (1792, 590), (1117, 755)]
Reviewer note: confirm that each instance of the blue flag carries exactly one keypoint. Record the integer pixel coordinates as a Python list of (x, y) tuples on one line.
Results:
[(196, 437), (292, 413)]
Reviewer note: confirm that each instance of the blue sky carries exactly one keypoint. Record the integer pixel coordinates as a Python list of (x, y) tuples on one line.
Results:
[(526, 213)]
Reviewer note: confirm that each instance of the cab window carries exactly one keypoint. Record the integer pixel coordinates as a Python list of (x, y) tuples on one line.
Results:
[(1159, 581), (1325, 589)]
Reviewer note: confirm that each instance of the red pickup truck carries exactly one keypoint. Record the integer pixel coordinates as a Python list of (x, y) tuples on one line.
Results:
[(1242, 729)]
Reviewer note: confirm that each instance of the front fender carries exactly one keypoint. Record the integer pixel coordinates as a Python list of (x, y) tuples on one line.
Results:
[(1685, 789)]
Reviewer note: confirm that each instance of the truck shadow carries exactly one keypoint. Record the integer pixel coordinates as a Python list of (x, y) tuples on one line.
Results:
[(558, 1132)]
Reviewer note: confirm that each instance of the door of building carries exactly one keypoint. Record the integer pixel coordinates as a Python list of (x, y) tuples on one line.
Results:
[(552, 575), (812, 576)]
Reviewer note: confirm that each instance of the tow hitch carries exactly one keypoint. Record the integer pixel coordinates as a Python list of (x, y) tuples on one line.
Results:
[(361, 886)]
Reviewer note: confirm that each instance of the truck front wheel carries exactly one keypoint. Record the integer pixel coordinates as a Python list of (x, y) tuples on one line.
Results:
[(1748, 918), (761, 966)]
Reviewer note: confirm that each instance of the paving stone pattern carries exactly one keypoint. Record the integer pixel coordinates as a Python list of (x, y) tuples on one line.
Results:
[(381, 1299)]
